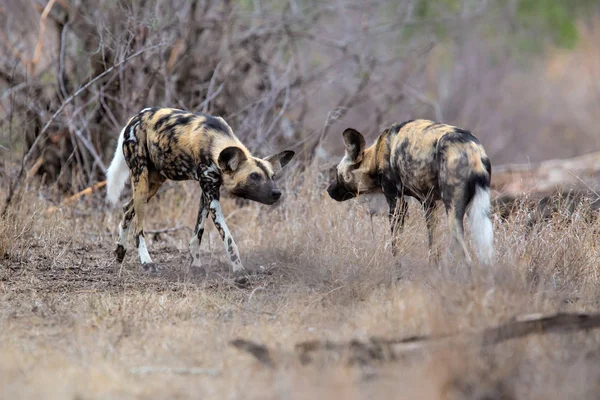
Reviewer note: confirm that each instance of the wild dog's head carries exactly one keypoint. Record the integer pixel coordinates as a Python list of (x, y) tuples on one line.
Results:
[(251, 177), (355, 173)]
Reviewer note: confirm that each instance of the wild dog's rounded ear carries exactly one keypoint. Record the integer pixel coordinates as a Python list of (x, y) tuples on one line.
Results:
[(278, 161), (355, 144), (231, 158)]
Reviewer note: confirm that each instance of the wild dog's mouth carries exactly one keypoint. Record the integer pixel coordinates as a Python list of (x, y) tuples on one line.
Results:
[(340, 193), (270, 198)]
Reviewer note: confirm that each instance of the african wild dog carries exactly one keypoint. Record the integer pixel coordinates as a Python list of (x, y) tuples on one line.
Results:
[(165, 143), (428, 161)]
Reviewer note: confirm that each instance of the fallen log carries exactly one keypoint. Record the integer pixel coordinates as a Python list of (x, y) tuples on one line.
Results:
[(548, 177), (380, 350), (547, 187)]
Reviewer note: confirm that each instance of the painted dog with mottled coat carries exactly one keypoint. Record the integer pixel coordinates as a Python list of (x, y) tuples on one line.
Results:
[(166, 143), (428, 161)]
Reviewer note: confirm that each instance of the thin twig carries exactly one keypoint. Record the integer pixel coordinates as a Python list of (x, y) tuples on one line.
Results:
[(40, 44), (61, 61), (426, 100), (91, 149), (77, 196), (279, 114), (209, 94), (41, 136), (35, 168), (77, 93), (159, 369)]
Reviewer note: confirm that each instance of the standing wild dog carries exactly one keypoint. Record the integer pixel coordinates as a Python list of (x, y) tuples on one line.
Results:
[(165, 143), (428, 161)]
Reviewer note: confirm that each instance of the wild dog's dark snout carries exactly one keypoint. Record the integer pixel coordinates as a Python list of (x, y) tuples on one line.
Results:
[(339, 192), (276, 193), (331, 189)]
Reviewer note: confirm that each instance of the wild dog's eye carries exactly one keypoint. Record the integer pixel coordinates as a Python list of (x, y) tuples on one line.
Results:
[(255, 176)]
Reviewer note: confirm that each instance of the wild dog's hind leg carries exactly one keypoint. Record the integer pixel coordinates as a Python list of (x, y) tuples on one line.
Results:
[(198, 232), (455, 210), (141, 194), (124, 231), (129, 212), (210, 181)]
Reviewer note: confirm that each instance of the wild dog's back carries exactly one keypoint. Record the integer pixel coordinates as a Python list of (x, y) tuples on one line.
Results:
[(413, 154), (463, 155), (178, 141)]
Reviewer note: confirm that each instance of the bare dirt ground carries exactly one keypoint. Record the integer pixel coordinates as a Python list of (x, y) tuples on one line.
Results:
[(74, 324)]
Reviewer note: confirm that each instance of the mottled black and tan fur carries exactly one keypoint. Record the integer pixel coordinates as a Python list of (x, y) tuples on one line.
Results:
[(165, 143), (428, 161)]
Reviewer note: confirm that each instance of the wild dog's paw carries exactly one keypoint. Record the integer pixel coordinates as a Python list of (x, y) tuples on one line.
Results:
[(241, 278), (241, 281), (150, 268), (120, 253)]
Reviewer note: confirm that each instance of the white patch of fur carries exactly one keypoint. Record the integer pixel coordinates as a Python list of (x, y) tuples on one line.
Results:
[(131, 137), (123, 236), (211, 168), (143, 250), (203, 217), (146, 109), (195, 243), (194, 249), (117, 173), (480, 223), (220, 219)]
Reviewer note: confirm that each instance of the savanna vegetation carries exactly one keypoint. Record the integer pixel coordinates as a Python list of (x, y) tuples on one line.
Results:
[(522, 75)]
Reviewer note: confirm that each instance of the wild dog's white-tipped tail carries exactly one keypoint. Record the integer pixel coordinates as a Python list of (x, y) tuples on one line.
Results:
[(117, 173), (480, 223)]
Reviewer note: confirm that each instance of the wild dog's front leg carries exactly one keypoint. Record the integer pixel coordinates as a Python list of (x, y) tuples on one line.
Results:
[(396, 217), (198, 232), (210, 181), (230, 246), (430, 206), (396, 214)]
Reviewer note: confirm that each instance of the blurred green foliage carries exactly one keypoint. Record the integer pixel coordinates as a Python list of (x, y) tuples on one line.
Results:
[(554, 19), (533, 23)]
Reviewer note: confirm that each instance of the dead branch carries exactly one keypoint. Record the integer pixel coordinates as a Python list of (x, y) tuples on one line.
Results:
[(77, 196), (548, 177), (12, 48), (35, 168), (145, 370), (259, 351), (15, 186), (40, 44), (210, 95), (80, 91), (378, 350)]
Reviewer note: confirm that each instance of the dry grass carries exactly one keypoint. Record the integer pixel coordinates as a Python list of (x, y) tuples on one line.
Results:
[(74, 324)]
